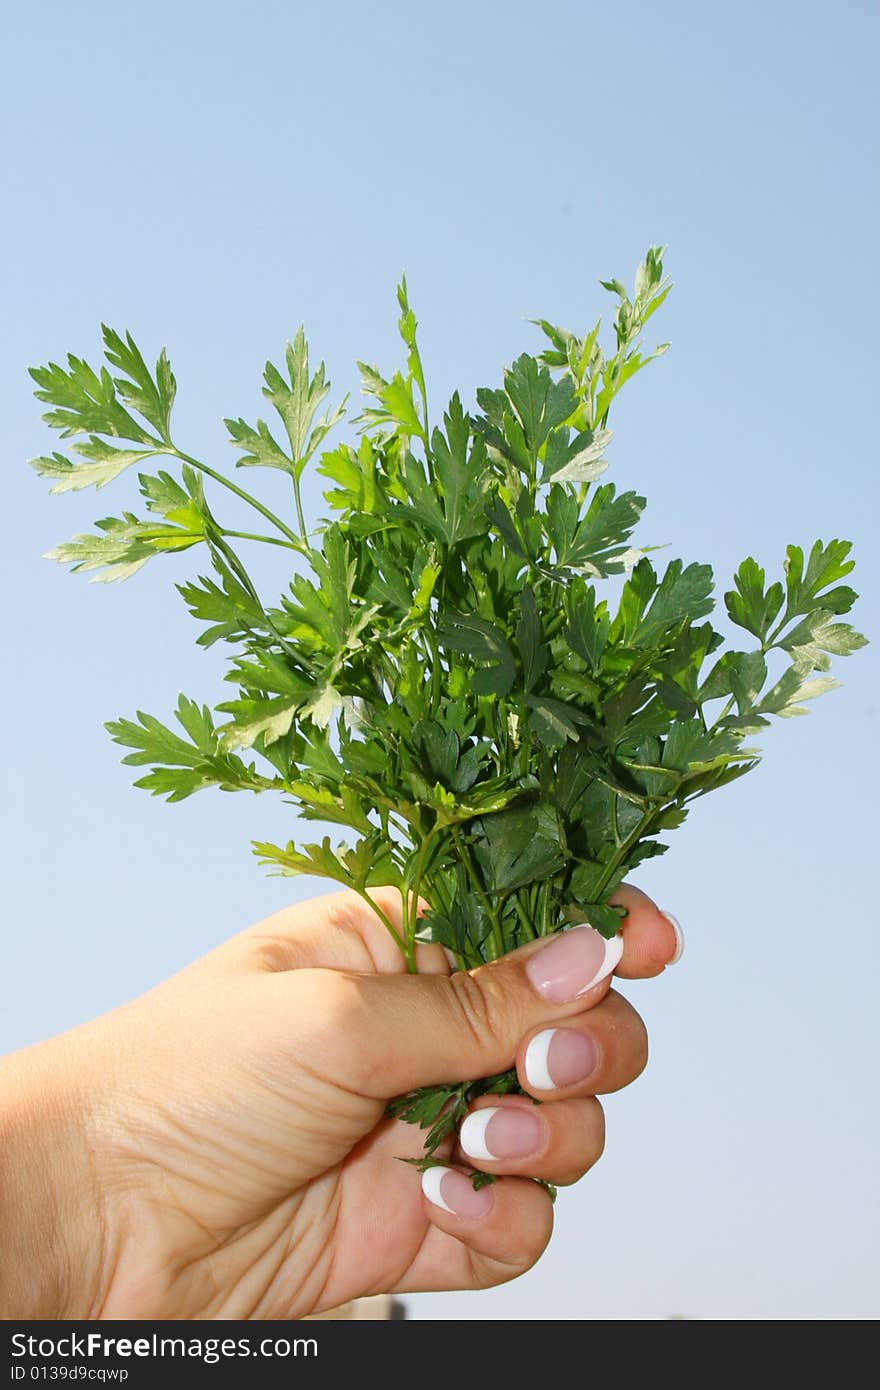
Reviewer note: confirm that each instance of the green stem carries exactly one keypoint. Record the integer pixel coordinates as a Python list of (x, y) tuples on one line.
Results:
[(390, 925), (617, 859), (436, 671), (527, 926), (725, 712), (544, 916), (216, 541), (299, 512), (296, 542), (415, 886), (497, 933), (266, 540)]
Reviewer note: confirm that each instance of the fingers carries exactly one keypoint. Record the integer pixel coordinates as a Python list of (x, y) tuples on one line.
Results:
[(385, 1034), (595, 1053), (478, 1239), (492, 1234)]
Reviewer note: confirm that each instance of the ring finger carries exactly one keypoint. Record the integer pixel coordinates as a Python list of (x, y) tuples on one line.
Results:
[(513, 1136)]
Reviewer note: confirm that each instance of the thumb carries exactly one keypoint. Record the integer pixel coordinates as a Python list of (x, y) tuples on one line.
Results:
[(407, 1031)]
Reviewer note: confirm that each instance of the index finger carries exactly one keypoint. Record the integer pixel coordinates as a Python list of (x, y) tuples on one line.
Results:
[(652, 938)]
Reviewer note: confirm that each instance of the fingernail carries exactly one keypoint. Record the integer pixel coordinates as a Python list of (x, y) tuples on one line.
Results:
[(559, 1057), (572, 963), (454, 1192), (506, 1131), (679, 937)]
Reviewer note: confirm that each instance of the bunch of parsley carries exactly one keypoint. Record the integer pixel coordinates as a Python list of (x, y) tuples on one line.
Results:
[(441, 675)]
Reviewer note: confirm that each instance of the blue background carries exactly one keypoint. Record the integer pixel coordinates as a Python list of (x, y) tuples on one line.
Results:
[(209, 176)]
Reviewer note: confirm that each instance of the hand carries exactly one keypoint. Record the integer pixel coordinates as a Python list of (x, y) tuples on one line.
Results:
[(218, 1147)]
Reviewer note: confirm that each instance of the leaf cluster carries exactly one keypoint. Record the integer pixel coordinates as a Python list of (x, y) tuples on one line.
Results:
[(444, 676)]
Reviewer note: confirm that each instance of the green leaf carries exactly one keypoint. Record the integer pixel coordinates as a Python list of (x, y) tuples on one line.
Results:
[(588, 623), (692, 748), (396, 402), (85, 402), (514, 852), (602, 917), (318, 803), (598, 544), (259, 447), (482, 642), (355, 471), (649, 612), (105, 464), (791, 690), (816, 639), (553, 722), (580, 460), (151, 395), (748, 605), (229, 607), (296, 400), (181, 766), (540, 403), (741, 674), (809, 589), (370, 864), (407, 325), (532, 649), (122, 546), (462, 477)]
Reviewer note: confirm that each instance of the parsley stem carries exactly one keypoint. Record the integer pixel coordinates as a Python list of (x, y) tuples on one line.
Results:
[(725, 712), (525, 921), (299, 512), (266, 540), (617, 859), (497, 931), (386, 920), (414, 885), (297, 543)]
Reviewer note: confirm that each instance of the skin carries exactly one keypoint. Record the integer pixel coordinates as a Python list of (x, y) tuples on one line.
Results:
[(217, 1147)]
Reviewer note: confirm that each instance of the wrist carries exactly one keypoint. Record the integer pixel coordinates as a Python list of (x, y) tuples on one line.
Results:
[(52, 1231)]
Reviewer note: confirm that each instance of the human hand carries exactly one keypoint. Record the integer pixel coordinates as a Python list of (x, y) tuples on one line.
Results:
[(218, 1149)]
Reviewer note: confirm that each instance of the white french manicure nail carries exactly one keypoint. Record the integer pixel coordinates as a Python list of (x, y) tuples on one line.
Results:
[(472, 1135), (431, 1180), (679, 936), (571, 962), (613, 953), (535, 1062)]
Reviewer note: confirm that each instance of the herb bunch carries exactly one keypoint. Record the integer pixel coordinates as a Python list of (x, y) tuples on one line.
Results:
[(441, 676)]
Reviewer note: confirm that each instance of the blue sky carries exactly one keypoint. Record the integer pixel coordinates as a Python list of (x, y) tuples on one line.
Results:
[(211, 175)]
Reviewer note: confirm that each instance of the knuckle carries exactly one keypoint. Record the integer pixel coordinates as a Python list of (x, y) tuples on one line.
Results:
[(484, 1011), (472, 1006), (344, 911)]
